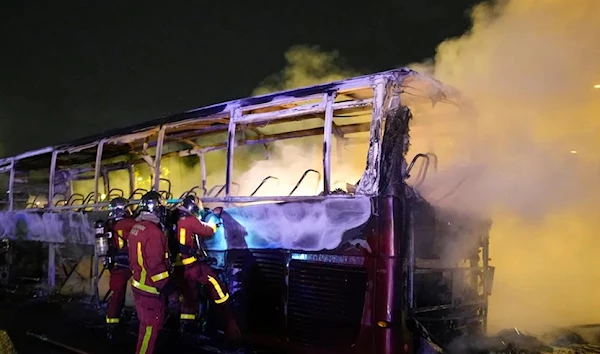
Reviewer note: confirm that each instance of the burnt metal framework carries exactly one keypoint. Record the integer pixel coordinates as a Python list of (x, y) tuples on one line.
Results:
[(383, 95), (464, 306), (320, 99)]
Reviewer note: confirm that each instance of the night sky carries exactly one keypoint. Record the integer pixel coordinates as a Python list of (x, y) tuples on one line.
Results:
[(72, 68)]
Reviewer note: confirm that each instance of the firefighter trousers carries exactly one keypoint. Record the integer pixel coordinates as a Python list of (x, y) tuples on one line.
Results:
[(189, 277), (119, 276), (150, 310)]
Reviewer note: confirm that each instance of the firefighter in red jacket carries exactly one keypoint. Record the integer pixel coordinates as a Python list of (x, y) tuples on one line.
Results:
[(151, 285), (121, 222), (192, 268)]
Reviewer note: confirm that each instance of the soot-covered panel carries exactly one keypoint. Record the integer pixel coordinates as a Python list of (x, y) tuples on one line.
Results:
[(64, 227), (308, 226)]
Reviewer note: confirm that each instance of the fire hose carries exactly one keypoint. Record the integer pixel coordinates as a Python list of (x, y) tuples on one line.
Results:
[(53, 342)]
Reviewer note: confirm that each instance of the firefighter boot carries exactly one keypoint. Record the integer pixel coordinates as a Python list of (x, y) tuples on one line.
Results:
[(111, 330), (232, 330)]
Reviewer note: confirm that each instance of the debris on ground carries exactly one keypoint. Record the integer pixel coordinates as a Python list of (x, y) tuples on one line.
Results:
[(513, 341), (58, 324)]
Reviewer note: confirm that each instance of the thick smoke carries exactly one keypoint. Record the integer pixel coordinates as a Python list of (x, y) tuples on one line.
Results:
[(530, 68), (305, 66), (288, 160)]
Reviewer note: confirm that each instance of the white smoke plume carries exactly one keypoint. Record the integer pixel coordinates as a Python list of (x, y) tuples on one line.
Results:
[(530, 68), (306, 66)]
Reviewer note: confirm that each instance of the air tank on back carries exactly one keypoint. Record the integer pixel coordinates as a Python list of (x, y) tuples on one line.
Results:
[(102, 239)]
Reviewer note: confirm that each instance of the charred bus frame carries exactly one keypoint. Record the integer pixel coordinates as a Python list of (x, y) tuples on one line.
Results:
[(389, 298), (321, 99)]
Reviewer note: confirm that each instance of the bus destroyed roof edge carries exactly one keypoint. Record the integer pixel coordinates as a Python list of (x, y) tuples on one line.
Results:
[(436, 91)]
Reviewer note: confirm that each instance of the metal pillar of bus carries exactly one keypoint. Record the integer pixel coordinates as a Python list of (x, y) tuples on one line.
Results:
[(203, 170), (11, 182), (98, 168), (96, 261), (236, 113), (328, 99), (158, 157), (131, 179), (52, 246), (369, 183)]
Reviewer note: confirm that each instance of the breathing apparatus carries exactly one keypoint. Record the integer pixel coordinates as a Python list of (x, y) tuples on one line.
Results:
[(103, 242)]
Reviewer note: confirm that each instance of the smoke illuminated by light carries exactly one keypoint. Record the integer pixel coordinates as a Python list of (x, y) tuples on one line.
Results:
[(526, 65)]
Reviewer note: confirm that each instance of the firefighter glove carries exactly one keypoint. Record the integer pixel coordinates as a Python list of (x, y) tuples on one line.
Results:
[(108, 263)]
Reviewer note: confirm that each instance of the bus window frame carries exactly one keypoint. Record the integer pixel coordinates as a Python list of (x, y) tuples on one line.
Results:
[(386, 87), (326, 105), (10, 168)]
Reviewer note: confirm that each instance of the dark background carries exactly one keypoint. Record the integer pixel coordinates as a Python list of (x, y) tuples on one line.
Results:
[(72, 68)]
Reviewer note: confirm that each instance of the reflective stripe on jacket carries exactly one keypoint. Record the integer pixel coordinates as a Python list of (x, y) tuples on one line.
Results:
[(187, 227), (147, 255)]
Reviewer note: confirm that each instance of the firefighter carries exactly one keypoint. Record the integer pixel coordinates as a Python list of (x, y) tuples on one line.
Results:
[(192, 268), (151, 284), (121, 222)]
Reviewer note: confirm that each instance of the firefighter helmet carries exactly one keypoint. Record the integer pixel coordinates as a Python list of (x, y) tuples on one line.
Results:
[(189, 204), (151, 203), (117, 209)]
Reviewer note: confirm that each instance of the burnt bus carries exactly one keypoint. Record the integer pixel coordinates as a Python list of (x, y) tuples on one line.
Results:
[(327, 244)]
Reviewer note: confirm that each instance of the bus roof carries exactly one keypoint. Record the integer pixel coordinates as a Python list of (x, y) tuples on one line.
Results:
[(262, 100)]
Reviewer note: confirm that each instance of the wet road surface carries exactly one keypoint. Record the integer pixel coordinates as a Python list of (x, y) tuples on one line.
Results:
[(78, 325)]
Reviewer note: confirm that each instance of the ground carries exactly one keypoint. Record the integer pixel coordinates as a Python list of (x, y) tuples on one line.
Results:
[(58, 320), (77, 324)]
